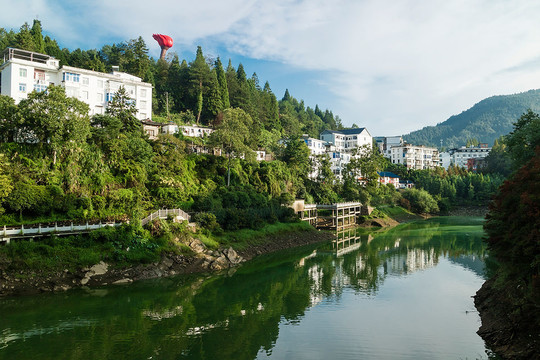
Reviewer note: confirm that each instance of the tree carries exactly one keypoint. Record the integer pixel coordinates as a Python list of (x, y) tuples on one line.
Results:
[(5, 181), (222, 79), (56, 121), (232, 135), (524, 139), (24, 38), (37, 37), (296, 155), (513, 229), (199, 73), (9, 119), (123, 108), (365, 162)]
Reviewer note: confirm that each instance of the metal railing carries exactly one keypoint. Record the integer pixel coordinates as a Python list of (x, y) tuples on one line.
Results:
[(164, 213), (22, 231)]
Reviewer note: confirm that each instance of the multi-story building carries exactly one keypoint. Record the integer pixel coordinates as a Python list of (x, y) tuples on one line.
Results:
[(385, 144), (343, 145), (348, 140), (316, 146), (415, 157), (459, 157), (24, 71)]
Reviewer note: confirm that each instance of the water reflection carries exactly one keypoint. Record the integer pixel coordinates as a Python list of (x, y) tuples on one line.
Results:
[(236, 316)]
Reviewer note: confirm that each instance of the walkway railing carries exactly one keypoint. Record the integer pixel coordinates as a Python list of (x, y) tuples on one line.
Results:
[(164, 213), (30, 231)]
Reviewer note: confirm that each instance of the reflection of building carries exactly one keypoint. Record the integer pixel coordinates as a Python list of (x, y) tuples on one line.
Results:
[(413, 260), (24, 71)]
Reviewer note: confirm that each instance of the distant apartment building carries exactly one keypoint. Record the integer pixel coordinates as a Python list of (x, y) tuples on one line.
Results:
[(187, 130), (460, 156), (415, 157), (24, 71), (385, 144)]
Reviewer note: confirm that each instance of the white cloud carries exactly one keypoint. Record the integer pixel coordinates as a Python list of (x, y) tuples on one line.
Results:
[(395, 65)]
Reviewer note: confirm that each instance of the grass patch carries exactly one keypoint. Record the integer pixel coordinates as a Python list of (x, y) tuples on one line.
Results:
[(241, 239)]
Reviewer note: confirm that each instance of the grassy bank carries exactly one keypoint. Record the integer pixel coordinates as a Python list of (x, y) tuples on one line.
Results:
[(126, 246)]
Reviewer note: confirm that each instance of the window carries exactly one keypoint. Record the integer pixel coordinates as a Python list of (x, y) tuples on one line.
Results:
[(109, 97), (71, 77), (143, 104), (22, 72), (39, 75), (84, 95), (85, 81), (22, 88), (100, 97), (40, 87), (143, 93), (100, 84)]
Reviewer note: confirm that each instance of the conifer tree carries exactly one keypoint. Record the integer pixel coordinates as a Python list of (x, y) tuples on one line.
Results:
[(222, 80), (199, 74), (39, 45)]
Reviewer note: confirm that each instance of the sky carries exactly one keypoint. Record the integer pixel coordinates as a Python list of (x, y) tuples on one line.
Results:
[(392, 66)]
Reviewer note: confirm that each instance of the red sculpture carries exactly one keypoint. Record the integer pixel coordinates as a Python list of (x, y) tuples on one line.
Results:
[(165, 41)]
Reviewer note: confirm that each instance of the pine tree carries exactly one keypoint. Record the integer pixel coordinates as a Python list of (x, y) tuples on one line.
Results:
[(24, 38), (39, 45), (222, 80), (199, 74)]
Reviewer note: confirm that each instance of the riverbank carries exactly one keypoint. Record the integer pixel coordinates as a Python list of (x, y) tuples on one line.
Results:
[(510, 327), (199, 258)]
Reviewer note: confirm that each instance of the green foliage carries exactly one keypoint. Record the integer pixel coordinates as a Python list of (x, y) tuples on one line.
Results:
[(420, 201), (513, 228), (525, 139)]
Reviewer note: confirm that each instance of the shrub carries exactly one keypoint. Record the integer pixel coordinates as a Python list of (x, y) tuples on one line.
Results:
[(421, 201)]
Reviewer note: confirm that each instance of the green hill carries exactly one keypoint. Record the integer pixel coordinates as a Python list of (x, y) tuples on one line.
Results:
[(485, 121)]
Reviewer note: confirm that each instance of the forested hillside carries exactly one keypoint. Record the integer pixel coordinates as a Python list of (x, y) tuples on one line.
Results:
[(195, 91), (485, 121)]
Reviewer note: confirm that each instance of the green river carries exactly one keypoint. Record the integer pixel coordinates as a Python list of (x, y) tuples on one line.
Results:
[(404, 293)]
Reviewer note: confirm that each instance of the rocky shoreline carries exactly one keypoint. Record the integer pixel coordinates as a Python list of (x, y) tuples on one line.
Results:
[(509, 330), (202, 260)]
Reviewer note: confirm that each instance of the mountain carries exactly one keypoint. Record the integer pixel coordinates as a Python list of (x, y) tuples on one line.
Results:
[(485, 121)]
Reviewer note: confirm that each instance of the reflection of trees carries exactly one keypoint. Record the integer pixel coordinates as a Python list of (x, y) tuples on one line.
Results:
[(218, 317)]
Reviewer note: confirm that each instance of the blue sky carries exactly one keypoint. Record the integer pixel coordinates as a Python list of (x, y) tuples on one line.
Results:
[(392, 66)]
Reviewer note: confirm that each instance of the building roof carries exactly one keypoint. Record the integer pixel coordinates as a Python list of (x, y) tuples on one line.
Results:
[(355, 131), (387, 174)]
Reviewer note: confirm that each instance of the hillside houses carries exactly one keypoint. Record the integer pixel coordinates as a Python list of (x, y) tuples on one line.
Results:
[(24, 71)]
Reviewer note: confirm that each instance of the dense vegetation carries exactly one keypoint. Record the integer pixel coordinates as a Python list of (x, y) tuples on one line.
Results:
[(513, 223), (56, 162), (486, 121)]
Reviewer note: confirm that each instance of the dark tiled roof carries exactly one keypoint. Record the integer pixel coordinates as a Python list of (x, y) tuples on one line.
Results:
[(387, 174), (345, 131)]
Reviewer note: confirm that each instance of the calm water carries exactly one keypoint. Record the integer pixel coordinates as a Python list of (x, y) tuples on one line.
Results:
[(401, 294)]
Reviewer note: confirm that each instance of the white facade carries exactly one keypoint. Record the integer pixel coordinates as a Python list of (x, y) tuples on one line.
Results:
[(315, 146), (343, 145), (415, 157), (23, 72), (347, 140), (459, 157), (195, 131)]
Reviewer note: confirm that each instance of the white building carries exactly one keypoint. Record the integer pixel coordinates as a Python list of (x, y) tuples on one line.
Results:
[(459, 157), (24, 71), (315, 146), (342, 146), (415, 157), (347, 140)]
